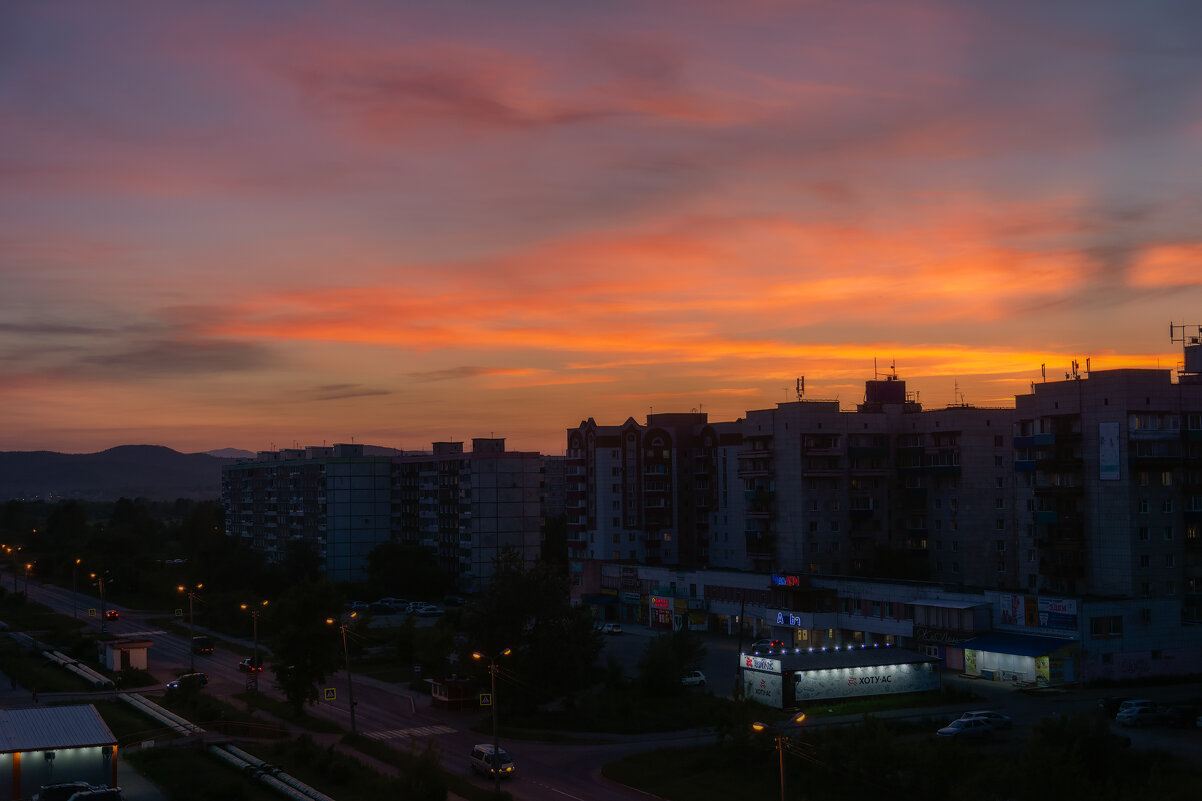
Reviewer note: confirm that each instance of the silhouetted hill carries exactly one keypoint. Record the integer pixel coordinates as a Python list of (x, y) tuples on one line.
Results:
[(130, 471)]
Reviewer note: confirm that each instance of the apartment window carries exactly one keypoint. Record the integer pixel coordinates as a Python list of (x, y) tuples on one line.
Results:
[(955, 567), (1106, 627), (1001, 566), (1030, 554), (833, 547), (1168, 532), (1143, 533), (997, 461), (938, 545), (1143, 479), (813, 525), (814, 547), (1146, 588), (999, 524), (1167, 506), (834, 525), (938, 525), (1143, 506), (617, 488), (999, 503), (617, 539), (1001, 546), (955, 547), (633, 554), (1145, 560), (1030, 504), (1000, 481), (1166, 478), (1170, 588), (998, 441), (617, 521), (1168, 560)]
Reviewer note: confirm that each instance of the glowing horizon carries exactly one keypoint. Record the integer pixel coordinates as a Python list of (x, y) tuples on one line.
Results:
[(399, 223)]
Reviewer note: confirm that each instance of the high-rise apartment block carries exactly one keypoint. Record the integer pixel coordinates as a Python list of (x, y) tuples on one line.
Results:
[(464, 506), (664, 493)]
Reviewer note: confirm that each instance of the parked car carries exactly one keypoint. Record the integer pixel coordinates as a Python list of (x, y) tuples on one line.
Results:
[(486, 763), (1110, 706), (767, 645), (426, 610), (1133, 702), (611, 628), (61, 791), (200, 679), (694, 678), (1181, 715), (1140, 716), (966, 728), (249, 665), (995, 719)]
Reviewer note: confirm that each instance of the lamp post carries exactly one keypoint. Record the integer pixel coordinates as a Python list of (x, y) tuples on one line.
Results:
[(74, 594), (104, 615), (191, 592), (780, 738), (496, 745), (350, 686), (255, 663), (28, 567)]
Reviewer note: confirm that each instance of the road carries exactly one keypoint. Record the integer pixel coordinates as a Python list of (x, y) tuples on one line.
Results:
[(386, 712)]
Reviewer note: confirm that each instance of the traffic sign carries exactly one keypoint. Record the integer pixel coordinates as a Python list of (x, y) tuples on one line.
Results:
[(330, 693), (485, 699)]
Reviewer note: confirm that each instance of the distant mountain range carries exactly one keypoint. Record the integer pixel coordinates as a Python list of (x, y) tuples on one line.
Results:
[(128, 471)]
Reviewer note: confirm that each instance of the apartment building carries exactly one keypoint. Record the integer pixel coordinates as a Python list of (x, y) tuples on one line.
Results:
[(464, 506), (665, 492), (885, 490)]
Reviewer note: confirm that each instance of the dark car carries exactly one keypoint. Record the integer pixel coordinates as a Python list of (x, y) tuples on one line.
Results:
[(199, 679), (60, 792), (1110, 706), (201, 644), (1181, 715), (250, 665), (111, 615)]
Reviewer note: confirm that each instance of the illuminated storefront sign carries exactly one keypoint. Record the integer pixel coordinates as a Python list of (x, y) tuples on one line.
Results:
[(786, 580), (759, 663)]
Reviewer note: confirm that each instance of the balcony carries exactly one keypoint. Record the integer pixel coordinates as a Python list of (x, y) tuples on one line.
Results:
[(1033, 440)]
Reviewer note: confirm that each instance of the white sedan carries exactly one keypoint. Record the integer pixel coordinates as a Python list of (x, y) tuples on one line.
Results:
[(694, 678)]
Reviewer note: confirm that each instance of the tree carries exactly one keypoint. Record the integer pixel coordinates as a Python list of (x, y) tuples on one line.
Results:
[(306, 648), (530, 611), (667, 658), (407, 571)]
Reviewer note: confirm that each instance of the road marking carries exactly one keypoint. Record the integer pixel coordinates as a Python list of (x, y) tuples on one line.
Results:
[(419, 731), (561, 792)]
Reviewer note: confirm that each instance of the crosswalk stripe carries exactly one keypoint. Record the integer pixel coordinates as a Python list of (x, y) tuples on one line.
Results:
[(417, 731)]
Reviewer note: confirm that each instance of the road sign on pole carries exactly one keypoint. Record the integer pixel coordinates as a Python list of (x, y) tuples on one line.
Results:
[(485, 699), (330, 693)]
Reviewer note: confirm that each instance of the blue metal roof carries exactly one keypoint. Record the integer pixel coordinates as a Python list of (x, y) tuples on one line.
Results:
[(999, 642), (45, 728)]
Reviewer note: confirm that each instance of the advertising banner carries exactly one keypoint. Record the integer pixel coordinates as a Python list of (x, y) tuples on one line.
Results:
[(1012, 609), (852, 682), (764, 688), (1058, 613)]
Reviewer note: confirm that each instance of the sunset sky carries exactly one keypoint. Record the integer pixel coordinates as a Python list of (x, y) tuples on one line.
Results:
[(267, 224)]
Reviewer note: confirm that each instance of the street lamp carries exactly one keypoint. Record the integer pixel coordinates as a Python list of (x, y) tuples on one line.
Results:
[(104, 616), (191, 592), (350, 686), (496, 745), (74, 595), (780, 738), (255, 663), (28, 567)]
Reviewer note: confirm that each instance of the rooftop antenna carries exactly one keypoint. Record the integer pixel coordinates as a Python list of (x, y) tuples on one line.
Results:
[(1043, 369), (801, 388)]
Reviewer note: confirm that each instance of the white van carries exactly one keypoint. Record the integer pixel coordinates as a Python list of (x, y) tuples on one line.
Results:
[(484, 763)]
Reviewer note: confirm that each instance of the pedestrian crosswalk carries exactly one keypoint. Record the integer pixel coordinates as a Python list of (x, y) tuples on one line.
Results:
[(402, 734)]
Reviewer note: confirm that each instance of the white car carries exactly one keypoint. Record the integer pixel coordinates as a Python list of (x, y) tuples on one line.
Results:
[(694, 678), (484, 763), (995, 719)]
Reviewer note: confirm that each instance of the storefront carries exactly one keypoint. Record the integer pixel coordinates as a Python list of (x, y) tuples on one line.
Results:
[(1001, 656), (794, 678)]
